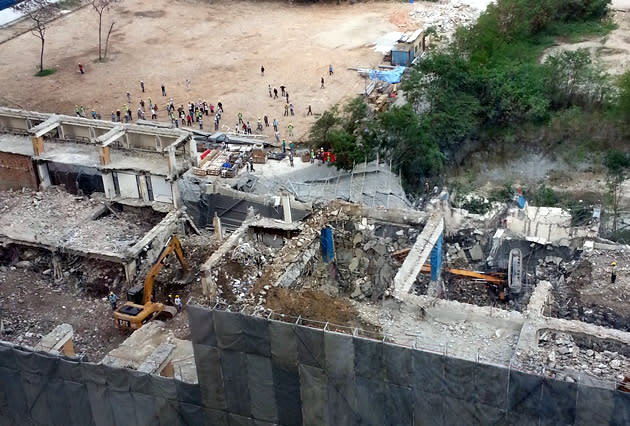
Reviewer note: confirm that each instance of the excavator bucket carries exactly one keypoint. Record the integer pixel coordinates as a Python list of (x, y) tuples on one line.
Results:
[(167, 313), (183, 277)]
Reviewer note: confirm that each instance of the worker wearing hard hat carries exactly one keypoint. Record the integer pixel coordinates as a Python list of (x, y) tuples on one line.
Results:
[(613, 272), (178, 303), (112, 300)]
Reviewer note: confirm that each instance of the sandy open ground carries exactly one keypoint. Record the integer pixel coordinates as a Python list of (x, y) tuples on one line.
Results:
[(219, 47)]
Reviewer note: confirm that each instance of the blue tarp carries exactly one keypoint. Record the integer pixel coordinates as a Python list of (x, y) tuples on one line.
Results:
[(391, 76), (521, 201), (6, 3), (326, 244)]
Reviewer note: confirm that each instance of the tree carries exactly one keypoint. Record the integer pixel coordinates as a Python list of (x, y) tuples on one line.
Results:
[(318, 135), (623, 101), (40, 12), (101, 6), (617, 163)]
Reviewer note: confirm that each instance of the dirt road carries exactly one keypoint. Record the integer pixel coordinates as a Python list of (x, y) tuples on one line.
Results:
[(219, 47)]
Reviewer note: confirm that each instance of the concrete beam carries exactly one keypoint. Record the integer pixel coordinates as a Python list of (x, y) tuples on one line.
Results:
[(218, 228), (179, 141), (419, 253), (535, 323), (50, 124), (99, 124), (105, 256), (286, 208), (58, 340), (165, 228), (208, 286), (111, 136), (159, 359)]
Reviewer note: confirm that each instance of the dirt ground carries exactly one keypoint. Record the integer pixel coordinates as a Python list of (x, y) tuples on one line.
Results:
[(613, 50), (587, 294), (219, 47), (32, 303), (316, 306)]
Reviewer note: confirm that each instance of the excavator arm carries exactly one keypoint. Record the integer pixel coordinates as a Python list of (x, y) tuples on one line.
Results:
[(172, 245)]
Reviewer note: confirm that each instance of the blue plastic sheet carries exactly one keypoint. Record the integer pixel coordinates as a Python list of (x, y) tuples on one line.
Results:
[(326, 244), (390, 76), (436, 259)]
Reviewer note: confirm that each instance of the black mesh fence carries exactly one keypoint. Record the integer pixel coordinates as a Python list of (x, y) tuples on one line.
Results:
[(265, 371), (280, 372)]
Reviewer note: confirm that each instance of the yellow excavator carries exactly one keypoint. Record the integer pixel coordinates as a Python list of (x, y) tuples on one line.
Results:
[(139, 308)]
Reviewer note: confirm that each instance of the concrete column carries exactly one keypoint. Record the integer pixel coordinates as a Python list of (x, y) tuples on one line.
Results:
[(38, 145), (62, 135), (286, 208), (218, 228), (44, 176), (143, 191), (172, 163), (194, 156), (108, 184), (208, 286), (56, 267), (177, 201), (103, 155), (130, 271)]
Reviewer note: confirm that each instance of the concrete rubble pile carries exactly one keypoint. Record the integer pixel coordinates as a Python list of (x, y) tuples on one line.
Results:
[(445, 18), (560, 353), (239, 270), (363, 258)]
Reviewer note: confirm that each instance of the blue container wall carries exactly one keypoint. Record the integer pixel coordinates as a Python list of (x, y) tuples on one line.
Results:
[(401, 57)]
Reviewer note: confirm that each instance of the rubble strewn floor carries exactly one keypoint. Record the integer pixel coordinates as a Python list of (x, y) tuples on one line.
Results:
[(583, 290), (566, 357), (465, 338), (57, 218), (33, 304)]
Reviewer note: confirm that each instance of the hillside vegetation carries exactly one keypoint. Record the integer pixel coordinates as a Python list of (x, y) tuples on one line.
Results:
[(486, 89)]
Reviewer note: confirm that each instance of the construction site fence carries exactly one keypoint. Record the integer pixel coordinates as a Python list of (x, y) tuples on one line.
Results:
[(276, 369), (265, 368), (417, 342)]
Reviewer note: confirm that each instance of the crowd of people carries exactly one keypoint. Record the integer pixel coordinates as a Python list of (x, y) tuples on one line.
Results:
[(192, 113)]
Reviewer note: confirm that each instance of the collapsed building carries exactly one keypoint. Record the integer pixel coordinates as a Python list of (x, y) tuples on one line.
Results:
[(342, 313)]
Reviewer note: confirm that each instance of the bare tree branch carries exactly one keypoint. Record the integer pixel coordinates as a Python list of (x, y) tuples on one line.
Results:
[(40, 12), (111, 27), (100, 7)]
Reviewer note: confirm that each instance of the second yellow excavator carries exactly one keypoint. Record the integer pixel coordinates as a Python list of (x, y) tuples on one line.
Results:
[(139, 308)]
